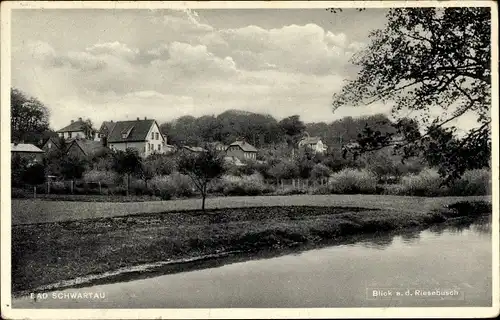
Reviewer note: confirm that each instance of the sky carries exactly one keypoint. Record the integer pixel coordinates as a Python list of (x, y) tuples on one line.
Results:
[(106, 64), (119, 64)]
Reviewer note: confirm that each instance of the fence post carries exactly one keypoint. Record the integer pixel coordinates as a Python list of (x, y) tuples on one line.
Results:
[(100, 190), (71, 186), (34, 192), (48, 186)]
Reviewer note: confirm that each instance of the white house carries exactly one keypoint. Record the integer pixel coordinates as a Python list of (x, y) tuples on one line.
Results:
[(313, 143), (143, 135), (76, 129)]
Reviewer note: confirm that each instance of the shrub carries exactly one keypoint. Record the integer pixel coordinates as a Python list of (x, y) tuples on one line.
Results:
[(473, 183), (173, 185), (249, 185), (58, 187), (426, 183), (284, 169), (353, 181), (20, 193), (104, 177), (320, 171), (290, 191)]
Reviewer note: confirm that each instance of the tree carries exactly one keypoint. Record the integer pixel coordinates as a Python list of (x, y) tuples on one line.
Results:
[(127, 163), (88, 129), (293, 128), (72, 167), (202, 168), (146, 171), (424, 59), (29, 117)]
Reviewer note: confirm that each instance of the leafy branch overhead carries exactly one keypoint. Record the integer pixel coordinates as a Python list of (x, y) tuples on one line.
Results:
[(428, 59)]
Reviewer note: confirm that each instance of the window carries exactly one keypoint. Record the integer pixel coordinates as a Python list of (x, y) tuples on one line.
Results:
[(159, 147), (157, 137), (149, 146), (69, 134), (152, 135), (144, 148)]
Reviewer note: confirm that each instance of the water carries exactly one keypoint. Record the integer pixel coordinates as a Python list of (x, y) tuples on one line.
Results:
[(443, 258)]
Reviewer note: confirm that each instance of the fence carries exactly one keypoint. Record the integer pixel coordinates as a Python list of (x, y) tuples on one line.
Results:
[(297, 183)]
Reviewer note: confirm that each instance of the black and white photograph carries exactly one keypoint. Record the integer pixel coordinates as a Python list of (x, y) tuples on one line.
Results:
[(249, 159)]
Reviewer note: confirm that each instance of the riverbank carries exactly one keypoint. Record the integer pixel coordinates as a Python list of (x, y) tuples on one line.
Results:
[(50, 252)]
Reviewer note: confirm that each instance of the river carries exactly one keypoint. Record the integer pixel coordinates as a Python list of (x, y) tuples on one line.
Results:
[(452, 261)]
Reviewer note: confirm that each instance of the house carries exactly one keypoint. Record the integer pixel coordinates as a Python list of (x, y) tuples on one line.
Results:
[(104, 130), (142, 135), (242, 150), (27, 151), (76, 129), (313, 143), (81, 148), (219, 146), (52, 144)]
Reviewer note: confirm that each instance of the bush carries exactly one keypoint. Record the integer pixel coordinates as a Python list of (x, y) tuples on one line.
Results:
[(173, 185), (249, 185), (284, 169), (320, 171), (352, 181), (20, 193), (473, 183), (426, 183), (59, 187), (105, 177)]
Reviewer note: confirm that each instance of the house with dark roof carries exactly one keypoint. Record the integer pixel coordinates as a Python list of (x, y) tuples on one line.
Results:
[(313, 143), (76, 129), (104, 130), (83, 148), (27, 151), (242, 150), (52, 144), (142, 135)]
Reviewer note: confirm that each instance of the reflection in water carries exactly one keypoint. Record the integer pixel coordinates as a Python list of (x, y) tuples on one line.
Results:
[(378, 241), (458, 226), (410, 236)]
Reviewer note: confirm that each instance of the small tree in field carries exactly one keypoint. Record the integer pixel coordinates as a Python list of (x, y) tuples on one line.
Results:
[(202, 168), (127, 162)]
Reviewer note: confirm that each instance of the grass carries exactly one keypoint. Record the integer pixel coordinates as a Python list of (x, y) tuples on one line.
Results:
[(50, 252)]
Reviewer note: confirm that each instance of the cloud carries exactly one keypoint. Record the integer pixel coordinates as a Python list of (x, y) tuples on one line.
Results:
[(116, 49), (197, 69)]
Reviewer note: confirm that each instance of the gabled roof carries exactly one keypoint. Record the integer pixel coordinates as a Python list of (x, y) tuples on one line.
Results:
[(54, 140), (75, 126), (245, 146), (24, 147), (88, 147), (310, 140), (107, 126), (137, 130)]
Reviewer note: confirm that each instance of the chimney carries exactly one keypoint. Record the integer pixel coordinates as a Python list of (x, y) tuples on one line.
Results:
[(80, 119), (111, 121), (72, 121), (138, 119), (145, 118)]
